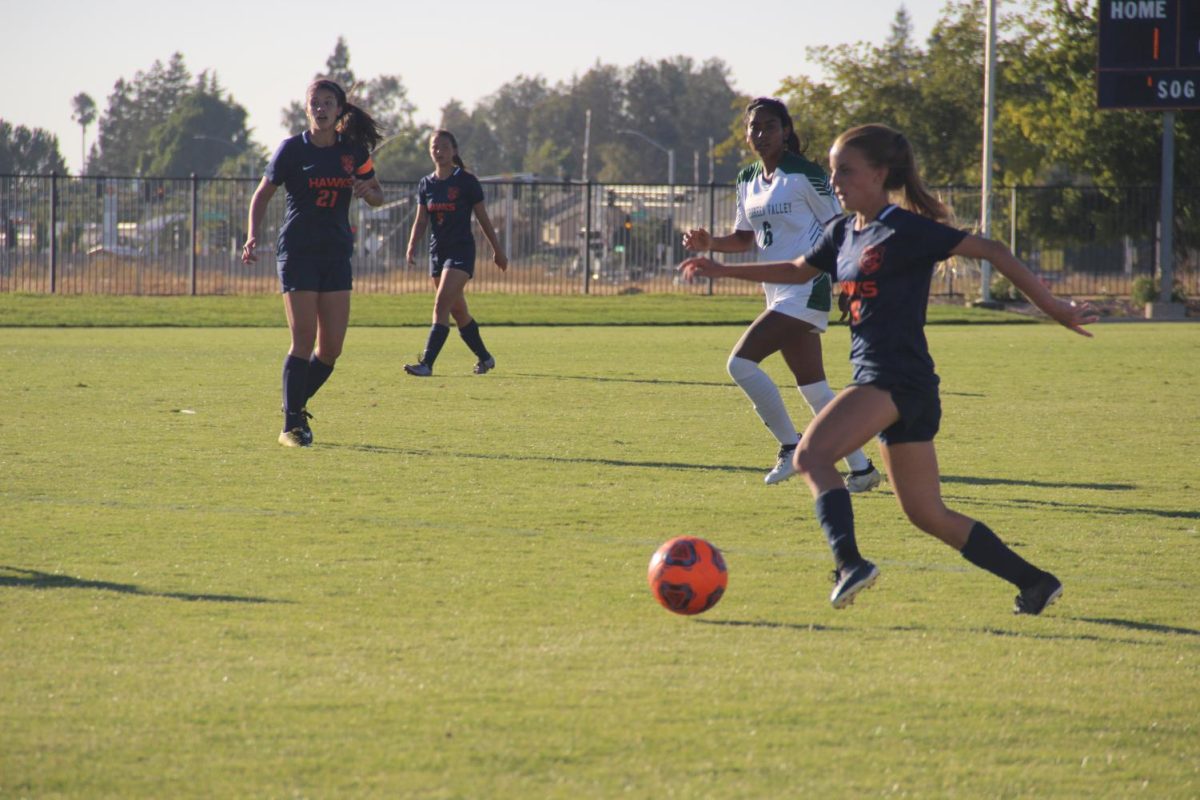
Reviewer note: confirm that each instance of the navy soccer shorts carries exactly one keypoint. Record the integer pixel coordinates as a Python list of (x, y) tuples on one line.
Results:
[(314, 275)]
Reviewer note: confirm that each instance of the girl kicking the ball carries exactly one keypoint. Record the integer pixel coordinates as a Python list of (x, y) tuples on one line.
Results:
[(322, 169), (783, 202), (884, 254)]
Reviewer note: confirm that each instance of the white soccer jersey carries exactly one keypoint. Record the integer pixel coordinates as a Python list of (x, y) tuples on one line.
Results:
[(787, 215)]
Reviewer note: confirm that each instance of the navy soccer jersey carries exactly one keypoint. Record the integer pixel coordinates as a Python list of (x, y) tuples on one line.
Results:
[(450, 203), (886, 269), (320, 185)]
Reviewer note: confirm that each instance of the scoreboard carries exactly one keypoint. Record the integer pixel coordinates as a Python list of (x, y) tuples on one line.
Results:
[(1149, 54)]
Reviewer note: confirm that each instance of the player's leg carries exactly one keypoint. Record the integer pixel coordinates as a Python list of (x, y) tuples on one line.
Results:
[(845, 424), (803, 354), (764, 337), (301, 309), (438, 331), (468, 329), (333, 319), (916, 481)]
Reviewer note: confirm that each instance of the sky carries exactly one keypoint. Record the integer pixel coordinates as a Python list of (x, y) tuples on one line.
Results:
[(265, 53)]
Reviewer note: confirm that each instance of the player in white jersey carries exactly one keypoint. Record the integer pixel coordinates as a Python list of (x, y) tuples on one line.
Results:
[(784, 201)]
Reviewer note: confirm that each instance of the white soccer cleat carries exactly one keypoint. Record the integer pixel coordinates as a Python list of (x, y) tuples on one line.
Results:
[(863, 480), (783, 468)]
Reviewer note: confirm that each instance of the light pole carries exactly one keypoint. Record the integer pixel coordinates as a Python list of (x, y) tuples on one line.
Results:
[(670, 180)]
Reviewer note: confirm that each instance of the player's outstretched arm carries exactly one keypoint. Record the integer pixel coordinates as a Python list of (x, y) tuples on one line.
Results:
[(698, 240), (797, 271), (1067, 313)]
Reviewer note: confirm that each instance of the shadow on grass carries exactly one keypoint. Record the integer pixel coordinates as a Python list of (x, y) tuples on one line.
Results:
[(972, 480), (32, 579), (1139, 626), (611, 379), (1082, 508), (606, 462), (747, 623)]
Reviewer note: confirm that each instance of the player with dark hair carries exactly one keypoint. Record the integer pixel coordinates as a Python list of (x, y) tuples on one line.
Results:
[(783, 202), (321, 168), (448, 197), (885, 254)]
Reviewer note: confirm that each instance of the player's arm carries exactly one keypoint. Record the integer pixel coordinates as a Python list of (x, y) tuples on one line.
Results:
[(1065, 312), (258, 209), (798, 271), (369, 190), (420, 222), (699, 240), (485, 223)]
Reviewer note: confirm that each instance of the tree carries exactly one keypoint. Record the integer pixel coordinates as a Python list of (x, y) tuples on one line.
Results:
[(135, 108), (83, 111), (29, 151), (204, 130)]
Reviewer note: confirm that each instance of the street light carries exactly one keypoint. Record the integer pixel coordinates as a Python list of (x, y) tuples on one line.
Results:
[(669, 151), (670, 177)]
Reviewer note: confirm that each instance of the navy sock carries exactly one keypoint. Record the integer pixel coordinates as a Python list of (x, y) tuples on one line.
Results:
[(318, 373), (433, 346), (470, 335), (985, 550), (836, 516), (295, 382)]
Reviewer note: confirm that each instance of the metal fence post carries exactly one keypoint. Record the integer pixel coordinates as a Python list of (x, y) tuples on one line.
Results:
[(712, 221), (195, 235), (1012, 220), (587, 240), (53, 232)]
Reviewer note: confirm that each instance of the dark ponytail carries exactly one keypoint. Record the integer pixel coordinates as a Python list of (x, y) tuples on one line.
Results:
[(886, 147), (354, 124), (791, 141), (458, 162)]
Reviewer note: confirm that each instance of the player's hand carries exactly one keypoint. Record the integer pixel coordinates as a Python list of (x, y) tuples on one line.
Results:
[(501, 261), (1074, 315), (697, 240), (699, 267), (248, 254), (411, 257), (368, 190)]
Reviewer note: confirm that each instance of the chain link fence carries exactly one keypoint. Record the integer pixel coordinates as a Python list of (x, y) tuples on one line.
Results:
[(168, 236)]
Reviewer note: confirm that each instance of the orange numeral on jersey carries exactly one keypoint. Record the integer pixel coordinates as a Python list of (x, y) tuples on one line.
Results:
[(327, 198), (855, 310)]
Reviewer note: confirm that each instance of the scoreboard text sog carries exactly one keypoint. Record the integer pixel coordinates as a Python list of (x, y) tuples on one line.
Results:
[(1149, 54)]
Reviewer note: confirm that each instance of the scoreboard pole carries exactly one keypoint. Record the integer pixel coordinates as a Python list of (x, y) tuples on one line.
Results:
[(1166, 204)]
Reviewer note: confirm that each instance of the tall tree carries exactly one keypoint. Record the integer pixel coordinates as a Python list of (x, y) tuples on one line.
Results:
[(204, 130), (135, 108), (83, 111), (29, 151)]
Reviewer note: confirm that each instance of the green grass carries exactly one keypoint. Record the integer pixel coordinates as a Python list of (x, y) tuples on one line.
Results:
[(446, 598), (374, 310)]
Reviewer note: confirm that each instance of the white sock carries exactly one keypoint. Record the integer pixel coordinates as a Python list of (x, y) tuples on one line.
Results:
[(764, 394), (818, 395)]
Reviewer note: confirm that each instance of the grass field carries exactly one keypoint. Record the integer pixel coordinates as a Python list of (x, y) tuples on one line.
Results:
[(446, 597)]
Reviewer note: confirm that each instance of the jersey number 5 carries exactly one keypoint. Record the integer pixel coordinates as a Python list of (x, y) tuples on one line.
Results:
[(327, 198)]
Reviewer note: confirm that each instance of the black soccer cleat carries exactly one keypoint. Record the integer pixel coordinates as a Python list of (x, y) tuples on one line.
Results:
[(1037, 598), (850, 580)]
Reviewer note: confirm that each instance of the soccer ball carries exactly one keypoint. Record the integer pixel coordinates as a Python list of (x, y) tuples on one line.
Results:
[(687, 575)]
